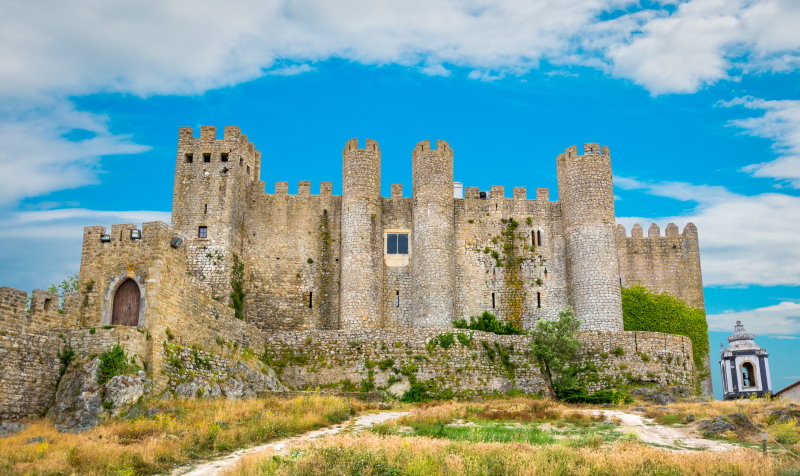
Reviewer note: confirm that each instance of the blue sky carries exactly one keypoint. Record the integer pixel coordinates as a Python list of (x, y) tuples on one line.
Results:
[(699, 102)]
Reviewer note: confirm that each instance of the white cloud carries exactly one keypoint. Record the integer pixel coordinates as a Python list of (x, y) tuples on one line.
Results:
[(186, 47), (780, 123), (704, 41), (743, 239), (42, 247), (783, 318), (37, 157)]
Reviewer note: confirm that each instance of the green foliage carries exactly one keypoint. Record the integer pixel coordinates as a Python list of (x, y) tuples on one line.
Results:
[(65, 356), (618, 351), (237, 287), (643, 310), (68, 285), (310, 261), (385, 364), (488, 322), (464, 339), (614, 397), (445, 341), (92, 330), (555, 346), (114, 362)]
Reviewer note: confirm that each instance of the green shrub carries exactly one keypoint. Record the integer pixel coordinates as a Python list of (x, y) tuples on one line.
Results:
[(65, 356), (488, 322), (445, 341), (614, 397), (464, 339), (643, 310), (114, 362), (618, 351), (237, 287)]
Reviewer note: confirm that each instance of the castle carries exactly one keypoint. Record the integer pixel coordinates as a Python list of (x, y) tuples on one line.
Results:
[(347, 281)]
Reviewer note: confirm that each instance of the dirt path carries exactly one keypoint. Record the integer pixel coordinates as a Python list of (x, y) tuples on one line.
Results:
[(218, 465), (674, 438)]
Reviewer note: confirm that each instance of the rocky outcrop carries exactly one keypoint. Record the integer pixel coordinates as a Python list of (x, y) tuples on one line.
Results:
[(660, 395), (197, 373), (81, 402)]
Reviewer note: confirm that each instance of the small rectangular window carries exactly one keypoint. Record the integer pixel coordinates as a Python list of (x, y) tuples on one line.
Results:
[(202, 232), (206, 157), (397, 243), (223, 157), (492, 300), (397, 299), (310, 300), (539, 300), (189, 158)]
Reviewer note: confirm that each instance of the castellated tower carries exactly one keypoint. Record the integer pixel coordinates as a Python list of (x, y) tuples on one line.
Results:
[(433, 236), (587, 208), (361, 280), (213, 178)]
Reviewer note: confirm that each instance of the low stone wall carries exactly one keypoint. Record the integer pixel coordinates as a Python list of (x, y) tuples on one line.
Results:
[(447, 360), (637, 357), (465, 362), (30, 363)]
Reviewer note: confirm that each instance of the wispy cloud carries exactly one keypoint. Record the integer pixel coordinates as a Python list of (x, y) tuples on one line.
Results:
[(778, 320), (780, 123)]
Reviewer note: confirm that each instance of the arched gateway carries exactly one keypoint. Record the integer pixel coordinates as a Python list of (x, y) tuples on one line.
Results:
[(126, 304)]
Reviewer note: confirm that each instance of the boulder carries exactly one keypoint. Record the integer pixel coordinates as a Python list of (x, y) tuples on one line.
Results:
[(8, 429), (123, 391), (79, 399), (715, 427), (654, 394), (782, 415)]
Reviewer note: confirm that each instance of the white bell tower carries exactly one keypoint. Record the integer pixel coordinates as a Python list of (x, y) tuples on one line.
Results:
[(745, 366)]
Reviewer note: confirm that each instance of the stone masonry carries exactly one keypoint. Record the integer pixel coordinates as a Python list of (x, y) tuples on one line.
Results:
[(318, 271)]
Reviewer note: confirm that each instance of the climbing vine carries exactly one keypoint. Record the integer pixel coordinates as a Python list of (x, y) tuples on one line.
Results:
[(237, 287), (514, 252), (643, 310)]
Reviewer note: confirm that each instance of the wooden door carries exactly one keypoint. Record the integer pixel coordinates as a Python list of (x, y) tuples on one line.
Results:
[(126, 304)]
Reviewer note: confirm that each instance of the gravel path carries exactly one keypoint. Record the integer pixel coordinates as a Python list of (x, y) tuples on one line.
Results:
[(675, 438), (280, 446)]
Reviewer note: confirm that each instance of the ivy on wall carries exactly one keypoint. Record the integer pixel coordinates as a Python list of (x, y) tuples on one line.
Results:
[(643, 310), (237, 287)]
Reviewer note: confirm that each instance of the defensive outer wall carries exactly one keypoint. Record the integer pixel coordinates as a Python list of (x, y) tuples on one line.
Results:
[(326, 304)]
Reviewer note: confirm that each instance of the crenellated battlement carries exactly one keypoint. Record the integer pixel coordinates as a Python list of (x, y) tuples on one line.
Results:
[(654, 231), (39, 312), (303, 189), (590, 150), (352, 144)]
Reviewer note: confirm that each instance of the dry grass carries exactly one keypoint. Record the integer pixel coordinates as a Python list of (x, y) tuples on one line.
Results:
[(370, 454), (184, 431)]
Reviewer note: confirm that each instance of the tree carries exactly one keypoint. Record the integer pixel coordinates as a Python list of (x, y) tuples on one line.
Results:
[(555, 346), (68, 285)]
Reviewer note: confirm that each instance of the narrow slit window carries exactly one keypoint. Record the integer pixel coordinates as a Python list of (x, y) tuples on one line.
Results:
[(248, 170), (538, 300), (533, 238), (310, 299), (241, 161), (397, 299), (539, 237), (223, 157), (202, 232), (189, 158), (492, 300), (397, 243), (206, 157), (205, 208)]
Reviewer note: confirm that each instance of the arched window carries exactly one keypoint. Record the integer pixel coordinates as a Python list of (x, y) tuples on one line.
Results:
[(126, 304), (748, 375)]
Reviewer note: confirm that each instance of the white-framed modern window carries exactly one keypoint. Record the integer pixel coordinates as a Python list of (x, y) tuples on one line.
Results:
[(396, 243), (396, 247)]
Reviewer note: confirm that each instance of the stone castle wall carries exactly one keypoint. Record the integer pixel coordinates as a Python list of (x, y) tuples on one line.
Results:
[(669, 263), (479, 362)]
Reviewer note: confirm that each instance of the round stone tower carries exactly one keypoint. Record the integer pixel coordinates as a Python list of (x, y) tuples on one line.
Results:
[(587, 212), (433, 236), (361, 280)]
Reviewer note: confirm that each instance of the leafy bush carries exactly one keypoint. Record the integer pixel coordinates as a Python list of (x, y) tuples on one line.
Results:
[(614, 397), (237, 287), (643, 310), (114, 362), (488, 322)]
